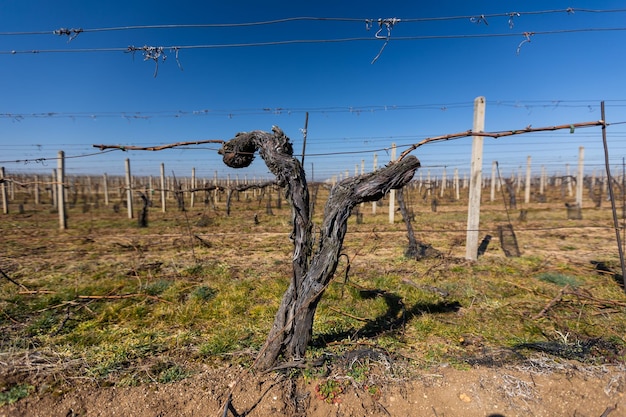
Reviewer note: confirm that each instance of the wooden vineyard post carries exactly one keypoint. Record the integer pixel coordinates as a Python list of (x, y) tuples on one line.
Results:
[(90, 194), (392, 193), (305, 133), (53, 191), (492, 196), (61, 190), (237, 183), (129, 190), (374, 170), (527, 182), (473, 210), (162, 187), (105, 188), (215, 192), (193, 187), (362, 205), (607, 165), (11, 186), (580, 177), (569, 180), (443, 182), (37, 190), (3, 190)]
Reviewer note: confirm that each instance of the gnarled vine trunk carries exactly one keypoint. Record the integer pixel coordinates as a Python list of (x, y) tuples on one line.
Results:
[(312, 269)]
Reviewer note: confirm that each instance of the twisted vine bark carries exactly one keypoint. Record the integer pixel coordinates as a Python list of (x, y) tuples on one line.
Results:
[(312, 269)]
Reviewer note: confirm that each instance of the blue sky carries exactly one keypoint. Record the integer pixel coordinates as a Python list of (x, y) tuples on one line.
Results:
[(76, 93)]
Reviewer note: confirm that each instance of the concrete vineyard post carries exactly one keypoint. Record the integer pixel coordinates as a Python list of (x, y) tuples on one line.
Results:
[(473, 211), (527, 182), (129, 190), (60, 182), (3, 190), (580, 177)]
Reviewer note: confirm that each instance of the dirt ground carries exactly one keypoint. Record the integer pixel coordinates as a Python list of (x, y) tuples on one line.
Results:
[(533, 388)]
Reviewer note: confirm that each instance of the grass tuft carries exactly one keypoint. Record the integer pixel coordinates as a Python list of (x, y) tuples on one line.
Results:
[(560, 279), (15, 393), (203, 293), (157, 287)]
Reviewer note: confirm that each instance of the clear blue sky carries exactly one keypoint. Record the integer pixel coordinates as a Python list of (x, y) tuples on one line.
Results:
[(55, 100)]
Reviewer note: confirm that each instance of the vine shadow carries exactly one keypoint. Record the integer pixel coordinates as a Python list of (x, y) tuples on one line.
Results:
[(394, 319)]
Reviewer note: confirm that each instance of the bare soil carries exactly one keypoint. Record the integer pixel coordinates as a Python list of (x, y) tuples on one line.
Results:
[(524, 390)]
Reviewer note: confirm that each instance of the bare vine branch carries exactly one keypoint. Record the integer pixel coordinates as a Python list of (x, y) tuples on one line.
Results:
[(496, 135), (157, 148)]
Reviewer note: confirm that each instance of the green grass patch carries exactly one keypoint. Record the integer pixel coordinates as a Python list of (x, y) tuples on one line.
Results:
[(157, 287), (203, 293), (139, 305), (167, 372), (15, 393), (560, 279)]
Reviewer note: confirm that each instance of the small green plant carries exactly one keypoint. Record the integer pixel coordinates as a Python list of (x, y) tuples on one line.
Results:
[(14, 394), (203, 293), (157, 287), (170, 372), (374, 391), (559, 279), (217, 346), (329, 391), (44, 324), (309, 374), (193, 270), (359, 371)]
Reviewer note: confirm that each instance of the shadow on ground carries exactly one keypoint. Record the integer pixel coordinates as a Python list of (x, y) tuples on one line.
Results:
[(394, 319)]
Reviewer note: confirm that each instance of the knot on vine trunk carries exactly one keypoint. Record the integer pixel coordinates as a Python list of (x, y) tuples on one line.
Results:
[(239, 151)]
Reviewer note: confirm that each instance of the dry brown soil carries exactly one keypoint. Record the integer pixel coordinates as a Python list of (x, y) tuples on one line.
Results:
[(524, 390)]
